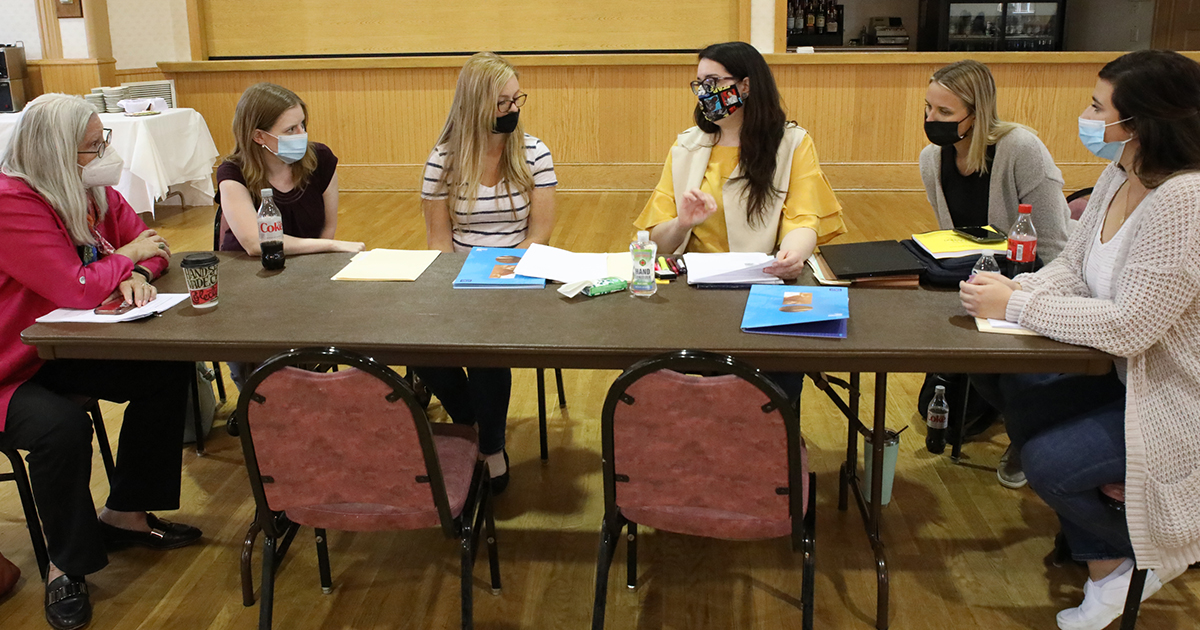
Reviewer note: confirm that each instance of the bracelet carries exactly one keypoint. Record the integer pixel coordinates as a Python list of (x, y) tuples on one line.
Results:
[(145, 272)]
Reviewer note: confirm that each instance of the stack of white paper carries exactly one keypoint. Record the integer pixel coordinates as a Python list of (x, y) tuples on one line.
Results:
[(159, 304), (381, 265), (729, 268), (560, 265)]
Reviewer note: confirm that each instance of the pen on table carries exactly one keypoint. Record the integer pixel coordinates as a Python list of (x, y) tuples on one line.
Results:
[(673, 265), (681, 264)]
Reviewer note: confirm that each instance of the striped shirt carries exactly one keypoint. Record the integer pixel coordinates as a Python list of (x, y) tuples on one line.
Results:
[(500, 217)]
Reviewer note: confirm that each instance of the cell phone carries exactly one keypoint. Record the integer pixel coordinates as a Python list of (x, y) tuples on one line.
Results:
[(981, 234), (115, 306)]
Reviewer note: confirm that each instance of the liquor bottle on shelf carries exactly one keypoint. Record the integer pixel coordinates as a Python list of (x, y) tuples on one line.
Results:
[(810, 18), (832, 23), (791, 17)]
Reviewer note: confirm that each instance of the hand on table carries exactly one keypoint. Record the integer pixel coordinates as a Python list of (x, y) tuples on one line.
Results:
[(135, 290), (695, 207), (986, 295), (788, 265), (350, 247)]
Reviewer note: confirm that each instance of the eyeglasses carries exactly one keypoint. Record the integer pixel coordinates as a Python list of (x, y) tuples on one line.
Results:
[(709, 84), (100, 148), (506, 104)]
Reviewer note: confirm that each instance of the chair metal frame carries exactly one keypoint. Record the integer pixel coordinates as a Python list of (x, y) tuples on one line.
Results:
[(278, 530), (803, 534), (20, 475)]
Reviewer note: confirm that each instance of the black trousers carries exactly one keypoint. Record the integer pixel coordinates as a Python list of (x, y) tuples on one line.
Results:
[(57, 434)]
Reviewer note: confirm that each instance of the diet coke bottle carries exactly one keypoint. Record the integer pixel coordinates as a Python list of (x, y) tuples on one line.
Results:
[(1022, 243), (270, 231)]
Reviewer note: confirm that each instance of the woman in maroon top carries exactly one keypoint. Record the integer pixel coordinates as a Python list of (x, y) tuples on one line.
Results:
[(72, 241), (271, 150)]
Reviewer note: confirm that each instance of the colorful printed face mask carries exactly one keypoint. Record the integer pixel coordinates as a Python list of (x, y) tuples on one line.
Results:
[(718, 102)]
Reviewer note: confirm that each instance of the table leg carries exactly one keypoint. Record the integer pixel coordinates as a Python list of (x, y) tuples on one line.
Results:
[(848, 472), (878, 437), (960, 433)]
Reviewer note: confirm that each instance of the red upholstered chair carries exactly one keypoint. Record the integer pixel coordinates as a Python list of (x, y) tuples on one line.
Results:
[(353, 450), (716, 456), (1077, 202)]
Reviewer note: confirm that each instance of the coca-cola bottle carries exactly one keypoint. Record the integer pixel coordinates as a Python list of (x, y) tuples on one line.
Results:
[(1022, 242), (270, 231), (936, 419)]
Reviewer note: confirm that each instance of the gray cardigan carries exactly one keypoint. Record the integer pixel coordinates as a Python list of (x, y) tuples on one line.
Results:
[(1022, 172)]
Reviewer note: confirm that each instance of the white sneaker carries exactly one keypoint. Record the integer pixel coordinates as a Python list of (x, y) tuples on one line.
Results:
[(1009, 471), (1102, 604)]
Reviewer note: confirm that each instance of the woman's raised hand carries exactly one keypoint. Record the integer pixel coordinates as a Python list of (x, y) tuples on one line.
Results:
[(695, 207)]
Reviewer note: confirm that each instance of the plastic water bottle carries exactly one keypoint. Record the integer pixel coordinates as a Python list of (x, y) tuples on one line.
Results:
[(937, 417), (644, 251), (1022, 242), (986, 263), (270, 231)]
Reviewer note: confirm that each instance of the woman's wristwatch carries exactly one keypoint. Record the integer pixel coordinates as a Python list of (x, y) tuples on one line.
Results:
[(145, 272)]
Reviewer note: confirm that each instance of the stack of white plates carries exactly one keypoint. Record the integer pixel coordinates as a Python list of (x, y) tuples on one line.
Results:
[(112, 96), (152, 89), (95, 99)]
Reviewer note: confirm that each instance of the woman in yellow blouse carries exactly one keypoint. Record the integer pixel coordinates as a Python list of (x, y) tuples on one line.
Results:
[(743, 179)]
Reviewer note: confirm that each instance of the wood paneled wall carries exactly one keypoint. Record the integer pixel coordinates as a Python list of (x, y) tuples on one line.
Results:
[(268, 28), (610, 126), (70, 76), (130, 75)]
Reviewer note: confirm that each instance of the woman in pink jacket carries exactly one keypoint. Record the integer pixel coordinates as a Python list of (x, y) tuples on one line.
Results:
[(70, 240)]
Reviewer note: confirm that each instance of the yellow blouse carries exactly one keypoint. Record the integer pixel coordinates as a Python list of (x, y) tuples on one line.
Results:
[(809, 203)]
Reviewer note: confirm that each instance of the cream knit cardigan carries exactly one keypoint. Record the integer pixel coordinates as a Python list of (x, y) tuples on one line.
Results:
[(1154, 321)]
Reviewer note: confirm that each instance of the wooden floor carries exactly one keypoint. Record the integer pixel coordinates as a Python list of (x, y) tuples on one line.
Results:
[(965, 553)]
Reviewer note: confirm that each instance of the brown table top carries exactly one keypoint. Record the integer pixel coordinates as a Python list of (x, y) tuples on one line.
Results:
[(428, 322)]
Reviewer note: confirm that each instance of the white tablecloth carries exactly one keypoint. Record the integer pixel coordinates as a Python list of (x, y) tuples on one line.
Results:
[(169, 152)]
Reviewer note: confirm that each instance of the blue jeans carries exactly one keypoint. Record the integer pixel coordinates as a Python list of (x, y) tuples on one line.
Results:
[(1070, 430), (474, 396)]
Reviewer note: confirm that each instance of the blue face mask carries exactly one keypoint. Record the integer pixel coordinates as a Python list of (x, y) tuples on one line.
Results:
[(1091, 133), (291, 148)]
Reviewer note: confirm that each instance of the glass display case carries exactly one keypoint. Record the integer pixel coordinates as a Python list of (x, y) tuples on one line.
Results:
[(990, 26)]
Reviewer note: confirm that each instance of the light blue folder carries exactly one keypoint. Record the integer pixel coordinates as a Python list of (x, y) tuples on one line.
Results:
[(797, 310), (494, 268)]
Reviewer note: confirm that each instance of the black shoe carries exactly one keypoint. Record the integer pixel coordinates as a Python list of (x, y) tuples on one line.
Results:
[(500, 482), (67, 603), (163, 535)]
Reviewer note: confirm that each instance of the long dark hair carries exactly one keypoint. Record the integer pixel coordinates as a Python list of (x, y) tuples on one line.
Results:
[(762, 124), (1160, 91)]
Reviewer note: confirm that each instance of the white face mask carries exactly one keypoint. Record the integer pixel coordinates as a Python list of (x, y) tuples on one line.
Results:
[(103, 171)]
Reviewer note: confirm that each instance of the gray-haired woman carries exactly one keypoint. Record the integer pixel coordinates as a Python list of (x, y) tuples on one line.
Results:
[(72, 241)]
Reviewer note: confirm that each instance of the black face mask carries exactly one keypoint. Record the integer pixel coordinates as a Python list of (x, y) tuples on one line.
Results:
[(507, 123), (943, 133)]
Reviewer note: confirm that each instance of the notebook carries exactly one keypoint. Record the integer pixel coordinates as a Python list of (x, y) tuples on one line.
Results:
[(797, 310), (948, 244), (560, 265), (494, 268), (877, 258)]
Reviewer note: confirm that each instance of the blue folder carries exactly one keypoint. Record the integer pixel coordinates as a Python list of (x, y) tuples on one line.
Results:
[(494, 268), (797, 310)]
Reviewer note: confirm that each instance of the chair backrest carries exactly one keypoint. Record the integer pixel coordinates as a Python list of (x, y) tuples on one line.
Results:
[(356, 437), (1077, 202), (218, 228), (729, 443)]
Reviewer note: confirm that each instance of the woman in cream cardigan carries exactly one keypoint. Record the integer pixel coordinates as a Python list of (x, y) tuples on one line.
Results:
[(977, 168), (743, 179), (1128, 283)]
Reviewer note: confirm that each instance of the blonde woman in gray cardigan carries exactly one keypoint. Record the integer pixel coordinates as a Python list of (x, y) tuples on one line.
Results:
[(1128, 283), (979, 168)]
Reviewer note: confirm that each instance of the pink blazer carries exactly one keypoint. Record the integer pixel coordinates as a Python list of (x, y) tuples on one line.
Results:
[(40, 271)]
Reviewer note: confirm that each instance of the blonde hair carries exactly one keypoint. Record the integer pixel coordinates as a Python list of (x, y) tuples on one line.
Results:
[(468, 131), (973, 84), (44, 152), (259, 108)]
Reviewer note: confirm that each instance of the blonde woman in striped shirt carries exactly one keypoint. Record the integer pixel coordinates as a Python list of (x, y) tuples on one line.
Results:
[(487, 183)]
